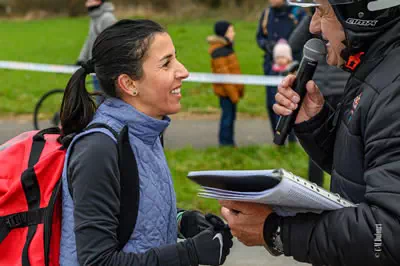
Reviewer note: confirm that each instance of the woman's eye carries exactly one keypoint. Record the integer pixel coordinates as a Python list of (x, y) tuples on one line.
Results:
[(166, 64)]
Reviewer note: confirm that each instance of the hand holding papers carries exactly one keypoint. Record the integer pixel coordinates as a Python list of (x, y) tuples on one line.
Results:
[(286, 193)]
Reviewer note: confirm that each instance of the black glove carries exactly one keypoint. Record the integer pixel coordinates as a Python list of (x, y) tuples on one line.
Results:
[(192, 223), (210, 247), (219, 225), (216, 222)]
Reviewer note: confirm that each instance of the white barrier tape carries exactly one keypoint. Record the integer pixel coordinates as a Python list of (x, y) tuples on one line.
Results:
[(234, 79), (38, 67), (194, 77)]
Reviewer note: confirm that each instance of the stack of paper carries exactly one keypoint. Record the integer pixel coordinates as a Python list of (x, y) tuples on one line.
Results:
[(286, 193)]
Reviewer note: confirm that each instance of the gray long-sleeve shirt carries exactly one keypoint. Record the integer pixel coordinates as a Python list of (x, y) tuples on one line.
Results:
[(101, 18)]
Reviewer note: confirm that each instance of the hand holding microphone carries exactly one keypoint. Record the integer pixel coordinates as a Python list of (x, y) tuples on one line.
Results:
[(287, 100), (300, 91)]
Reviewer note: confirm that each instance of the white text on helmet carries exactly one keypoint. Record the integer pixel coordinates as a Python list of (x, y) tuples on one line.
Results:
[(361, 22)]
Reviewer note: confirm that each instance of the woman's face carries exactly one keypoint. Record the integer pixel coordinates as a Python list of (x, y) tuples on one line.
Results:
[(159, 89)]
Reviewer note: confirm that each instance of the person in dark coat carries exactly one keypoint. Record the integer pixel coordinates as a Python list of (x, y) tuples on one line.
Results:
[(276, 22), (358, 144)]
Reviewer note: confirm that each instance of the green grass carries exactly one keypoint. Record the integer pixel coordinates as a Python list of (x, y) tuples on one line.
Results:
[(292, 158), (58, 41)]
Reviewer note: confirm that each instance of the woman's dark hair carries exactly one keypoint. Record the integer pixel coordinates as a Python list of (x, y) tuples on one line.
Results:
[(119, 49)]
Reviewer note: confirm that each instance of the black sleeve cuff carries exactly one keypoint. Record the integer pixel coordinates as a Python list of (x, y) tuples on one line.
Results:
[(315, 122), (296, 233), (172, 255)]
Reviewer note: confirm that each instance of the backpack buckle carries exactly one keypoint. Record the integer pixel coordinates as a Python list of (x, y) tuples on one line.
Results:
[(23, 219), (14, 221)]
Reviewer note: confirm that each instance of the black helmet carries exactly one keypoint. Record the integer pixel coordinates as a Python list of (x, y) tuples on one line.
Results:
[(362, 20)]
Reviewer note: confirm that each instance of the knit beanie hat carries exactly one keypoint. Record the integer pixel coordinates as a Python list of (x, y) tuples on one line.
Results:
[(221, 27), (283, 49)]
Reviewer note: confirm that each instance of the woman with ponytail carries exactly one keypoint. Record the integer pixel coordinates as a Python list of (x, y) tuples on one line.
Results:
[(136, 65)]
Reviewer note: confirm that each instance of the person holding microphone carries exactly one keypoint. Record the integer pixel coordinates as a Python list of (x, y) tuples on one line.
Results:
[(358, 144)]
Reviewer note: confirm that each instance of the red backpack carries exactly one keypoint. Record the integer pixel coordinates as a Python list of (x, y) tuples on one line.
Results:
[(31, 166)]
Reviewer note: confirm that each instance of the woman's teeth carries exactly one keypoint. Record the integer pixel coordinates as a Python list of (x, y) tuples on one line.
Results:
[(176, 91)]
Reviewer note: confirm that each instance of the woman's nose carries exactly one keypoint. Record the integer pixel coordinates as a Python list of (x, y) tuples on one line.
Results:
[(182, 72)]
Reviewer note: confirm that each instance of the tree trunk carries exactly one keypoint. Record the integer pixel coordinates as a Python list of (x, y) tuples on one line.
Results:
[(239, 3), (76, 7), (215, 3)]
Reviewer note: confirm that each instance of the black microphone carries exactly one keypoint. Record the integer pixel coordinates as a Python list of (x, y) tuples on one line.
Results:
[(314, 51)]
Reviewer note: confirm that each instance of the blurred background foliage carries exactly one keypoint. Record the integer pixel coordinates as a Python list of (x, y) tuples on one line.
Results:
[(74, 7)]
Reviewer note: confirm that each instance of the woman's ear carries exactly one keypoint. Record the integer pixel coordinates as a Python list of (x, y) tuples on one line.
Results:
[(127, 85)]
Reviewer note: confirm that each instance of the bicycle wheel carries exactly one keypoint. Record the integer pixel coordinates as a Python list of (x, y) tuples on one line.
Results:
[(47, 109)]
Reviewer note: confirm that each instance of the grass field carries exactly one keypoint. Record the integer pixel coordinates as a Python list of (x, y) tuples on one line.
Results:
[(58, 41)]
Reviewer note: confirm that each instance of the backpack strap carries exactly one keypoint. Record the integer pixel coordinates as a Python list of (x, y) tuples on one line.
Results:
[(38, 144), (20, 219), (129, 179), (130, 191), (48, 217), (162, 139), (101, 125)]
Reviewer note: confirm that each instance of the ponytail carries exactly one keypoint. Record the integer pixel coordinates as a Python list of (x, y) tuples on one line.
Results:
[(78, 107)]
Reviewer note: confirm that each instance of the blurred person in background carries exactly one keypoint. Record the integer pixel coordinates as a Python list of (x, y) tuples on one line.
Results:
[(101, 16), (283, 62), (276, 22), (358, 144), (135, 62), (282, 65), (224, 61), (331, 79)]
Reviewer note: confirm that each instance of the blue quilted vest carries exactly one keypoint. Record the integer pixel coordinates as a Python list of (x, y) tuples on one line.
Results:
[(156, 222)]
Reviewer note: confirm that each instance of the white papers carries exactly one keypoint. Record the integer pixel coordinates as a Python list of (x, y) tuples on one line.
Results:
[(291, 195)]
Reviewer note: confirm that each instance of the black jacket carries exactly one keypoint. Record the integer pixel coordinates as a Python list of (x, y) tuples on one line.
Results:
[(359, 146)]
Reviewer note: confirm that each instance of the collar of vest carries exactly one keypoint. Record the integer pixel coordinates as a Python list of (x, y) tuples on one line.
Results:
[(142, 126)]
